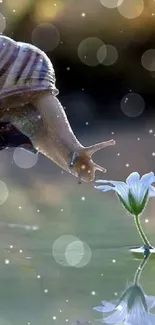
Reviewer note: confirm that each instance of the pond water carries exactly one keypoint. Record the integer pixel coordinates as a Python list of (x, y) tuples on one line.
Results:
[(64, 247)]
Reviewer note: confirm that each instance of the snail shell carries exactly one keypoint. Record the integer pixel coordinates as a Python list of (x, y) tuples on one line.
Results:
[(25, 71), (28, 100)]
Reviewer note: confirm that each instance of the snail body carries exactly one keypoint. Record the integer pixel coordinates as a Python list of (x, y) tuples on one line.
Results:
[(28, 100)]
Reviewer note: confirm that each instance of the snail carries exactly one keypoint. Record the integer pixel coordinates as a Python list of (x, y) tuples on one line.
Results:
[(28, 100)]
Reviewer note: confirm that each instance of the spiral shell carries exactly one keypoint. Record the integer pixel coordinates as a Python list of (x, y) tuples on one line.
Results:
[(24, 69)]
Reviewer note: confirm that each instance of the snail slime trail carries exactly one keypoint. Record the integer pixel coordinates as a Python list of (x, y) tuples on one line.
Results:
[(28, 100)]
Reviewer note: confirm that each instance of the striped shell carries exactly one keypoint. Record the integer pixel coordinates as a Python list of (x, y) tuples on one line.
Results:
[(24, 69)]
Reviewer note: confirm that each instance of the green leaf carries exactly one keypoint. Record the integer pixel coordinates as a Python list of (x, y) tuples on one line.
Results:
[(144, 201), (126, 206), (137, 207)]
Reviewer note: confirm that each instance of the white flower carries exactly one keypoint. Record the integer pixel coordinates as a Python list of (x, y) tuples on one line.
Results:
[(132, 308), (133, 193)]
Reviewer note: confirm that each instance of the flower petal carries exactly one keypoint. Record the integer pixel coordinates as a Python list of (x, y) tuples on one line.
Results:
[(132, 178), (104, 188), (108, 306), (138, 315), (137, 188), (99, 308), (122, 189), (152, 318), (150, 300), (148, 179), (151, 191), (145, 184), (117, 317)]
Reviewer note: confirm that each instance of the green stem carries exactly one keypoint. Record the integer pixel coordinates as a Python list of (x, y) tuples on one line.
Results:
[(141, 232), (141, 268)]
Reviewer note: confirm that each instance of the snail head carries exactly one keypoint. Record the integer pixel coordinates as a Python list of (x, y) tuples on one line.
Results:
[(82, 165)]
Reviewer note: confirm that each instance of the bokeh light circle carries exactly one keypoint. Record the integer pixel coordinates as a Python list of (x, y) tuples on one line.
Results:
[(107, 54), (131, 8), (4, 193), (78, 254), (101, 53), (87, 50), (111, 3), (148, 60), (46, 37), (2, 23), (69, 251), (132, 105), (24, 158)]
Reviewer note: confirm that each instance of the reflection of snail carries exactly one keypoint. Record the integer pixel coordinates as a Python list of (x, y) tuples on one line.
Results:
[(28, 100)]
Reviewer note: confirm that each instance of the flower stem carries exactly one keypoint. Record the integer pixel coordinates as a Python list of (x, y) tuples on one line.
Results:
[(141, 268), (141, 232)]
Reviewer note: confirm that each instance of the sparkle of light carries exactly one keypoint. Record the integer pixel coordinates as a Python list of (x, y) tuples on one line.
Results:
[(7, 261)]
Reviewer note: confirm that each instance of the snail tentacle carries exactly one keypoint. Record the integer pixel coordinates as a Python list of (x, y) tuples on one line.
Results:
[(73, 160)]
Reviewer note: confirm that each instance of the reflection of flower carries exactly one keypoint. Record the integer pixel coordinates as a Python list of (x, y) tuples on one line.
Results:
[(133, 308), (134, 193)]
